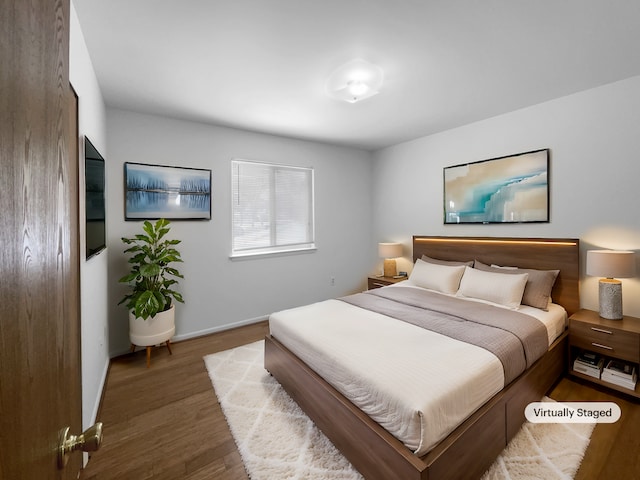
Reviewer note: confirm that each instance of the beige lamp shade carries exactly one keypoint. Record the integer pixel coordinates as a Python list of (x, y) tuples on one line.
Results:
[(390, 251), (610, 264)]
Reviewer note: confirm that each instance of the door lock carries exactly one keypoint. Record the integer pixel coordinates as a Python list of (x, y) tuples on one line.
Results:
[(88, 441)]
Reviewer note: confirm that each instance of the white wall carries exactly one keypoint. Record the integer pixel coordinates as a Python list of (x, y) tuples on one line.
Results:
[(221, 293), (594, 142), (93, 273)]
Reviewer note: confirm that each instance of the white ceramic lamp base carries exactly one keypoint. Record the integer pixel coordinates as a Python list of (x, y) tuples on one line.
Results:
[(610, 297)]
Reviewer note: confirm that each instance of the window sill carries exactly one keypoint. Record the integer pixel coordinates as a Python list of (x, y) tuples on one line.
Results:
[(272, 253)]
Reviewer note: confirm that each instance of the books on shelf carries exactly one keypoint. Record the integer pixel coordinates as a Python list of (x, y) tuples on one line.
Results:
[(623, 374), (589, 358), (618, 372), (588, 363)]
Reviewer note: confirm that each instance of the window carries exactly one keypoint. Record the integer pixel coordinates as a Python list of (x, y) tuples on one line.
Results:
[(272, 208)]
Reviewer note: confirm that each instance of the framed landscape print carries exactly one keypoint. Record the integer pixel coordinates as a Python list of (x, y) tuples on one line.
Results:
[(512, 189), (174, 193)]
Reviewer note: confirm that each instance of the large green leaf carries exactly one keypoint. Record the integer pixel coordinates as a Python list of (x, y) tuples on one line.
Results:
[(150, 270), (176, 296), (129, 278), (147, 305), (162, 232), (173, 271), (143, 238)]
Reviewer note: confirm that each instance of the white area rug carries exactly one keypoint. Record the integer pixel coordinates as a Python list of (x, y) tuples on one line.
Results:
[(278, 441)]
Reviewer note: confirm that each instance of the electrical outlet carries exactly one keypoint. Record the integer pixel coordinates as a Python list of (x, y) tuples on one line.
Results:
[(332, 281)]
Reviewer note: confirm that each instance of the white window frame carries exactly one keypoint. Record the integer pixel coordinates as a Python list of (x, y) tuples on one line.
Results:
[(273, 248)]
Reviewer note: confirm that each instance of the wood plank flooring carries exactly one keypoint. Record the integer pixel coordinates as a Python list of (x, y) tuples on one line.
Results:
[(165, 422), (613, 450)]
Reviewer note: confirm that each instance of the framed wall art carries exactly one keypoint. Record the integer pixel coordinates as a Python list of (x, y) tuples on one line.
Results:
[(511, 189), (174, 193)]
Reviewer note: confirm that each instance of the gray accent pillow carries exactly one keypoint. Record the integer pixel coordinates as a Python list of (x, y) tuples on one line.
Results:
[(537, 291)]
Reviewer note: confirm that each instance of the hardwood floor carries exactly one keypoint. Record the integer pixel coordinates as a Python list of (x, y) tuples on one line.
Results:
[(165, 422), (613, 450)]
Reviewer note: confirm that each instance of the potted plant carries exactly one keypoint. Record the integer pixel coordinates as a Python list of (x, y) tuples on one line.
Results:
[(152, 278)]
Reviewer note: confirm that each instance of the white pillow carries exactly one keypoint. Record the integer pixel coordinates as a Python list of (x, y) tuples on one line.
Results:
[(442, 278), (501, 288)]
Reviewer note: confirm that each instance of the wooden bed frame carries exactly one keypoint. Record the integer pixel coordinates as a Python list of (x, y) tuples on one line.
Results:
[(470, 449)]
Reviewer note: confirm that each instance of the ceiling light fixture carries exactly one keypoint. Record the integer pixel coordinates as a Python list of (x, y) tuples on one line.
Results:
[(355, 81)]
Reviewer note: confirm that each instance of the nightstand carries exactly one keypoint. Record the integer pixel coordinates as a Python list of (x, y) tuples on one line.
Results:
[(377, 282), (612, 339)]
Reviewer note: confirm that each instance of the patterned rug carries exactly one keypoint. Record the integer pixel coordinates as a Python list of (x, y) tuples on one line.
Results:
[(278, 441)]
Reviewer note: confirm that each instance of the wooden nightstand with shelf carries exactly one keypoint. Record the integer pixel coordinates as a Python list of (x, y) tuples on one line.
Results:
[(611, 339), (374, 281)]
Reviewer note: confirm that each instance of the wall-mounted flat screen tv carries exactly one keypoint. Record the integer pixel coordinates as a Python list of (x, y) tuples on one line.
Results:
[(95, 199)]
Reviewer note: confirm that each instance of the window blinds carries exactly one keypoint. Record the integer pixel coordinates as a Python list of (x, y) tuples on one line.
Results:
[(272, 208)]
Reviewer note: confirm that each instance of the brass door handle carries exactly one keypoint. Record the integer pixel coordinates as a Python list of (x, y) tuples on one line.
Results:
[(88, 441)]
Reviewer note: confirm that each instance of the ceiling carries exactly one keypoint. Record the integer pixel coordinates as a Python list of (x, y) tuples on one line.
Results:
[(262, 65)]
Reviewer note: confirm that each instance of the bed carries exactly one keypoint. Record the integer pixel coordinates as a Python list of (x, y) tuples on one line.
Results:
[(494, 415)]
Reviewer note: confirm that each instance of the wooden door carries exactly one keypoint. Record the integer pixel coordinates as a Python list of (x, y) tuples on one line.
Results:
[(39, 255)]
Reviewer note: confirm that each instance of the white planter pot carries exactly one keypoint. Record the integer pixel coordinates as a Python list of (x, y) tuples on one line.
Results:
[(154, 330)]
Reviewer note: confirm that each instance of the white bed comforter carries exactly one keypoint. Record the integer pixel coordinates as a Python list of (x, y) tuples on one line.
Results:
[(417, 384)]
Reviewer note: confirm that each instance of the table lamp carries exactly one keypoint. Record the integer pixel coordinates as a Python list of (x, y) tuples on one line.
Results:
[(390, 251), (610, 264)]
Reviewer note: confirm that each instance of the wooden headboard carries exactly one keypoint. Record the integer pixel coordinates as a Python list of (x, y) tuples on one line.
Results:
[(539, 253)]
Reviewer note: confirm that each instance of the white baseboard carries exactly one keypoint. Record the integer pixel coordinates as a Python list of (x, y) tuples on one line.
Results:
[(201, 333), (96, 406), (209, 331)]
